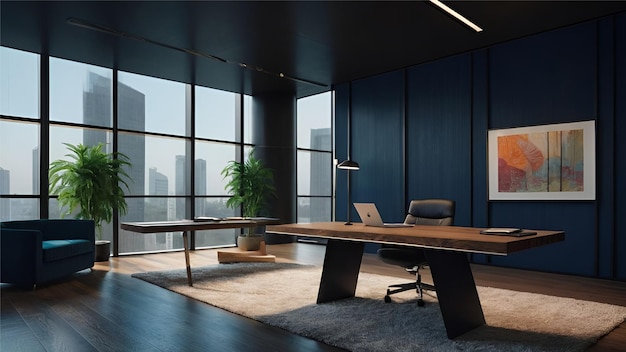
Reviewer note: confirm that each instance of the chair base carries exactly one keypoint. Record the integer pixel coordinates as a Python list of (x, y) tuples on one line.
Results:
[(418, 286)]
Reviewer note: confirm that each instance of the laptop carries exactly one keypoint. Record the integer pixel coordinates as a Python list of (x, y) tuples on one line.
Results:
[(371, 217)]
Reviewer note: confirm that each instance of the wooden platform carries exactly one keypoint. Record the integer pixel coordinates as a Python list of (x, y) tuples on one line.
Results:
[(235, 255)]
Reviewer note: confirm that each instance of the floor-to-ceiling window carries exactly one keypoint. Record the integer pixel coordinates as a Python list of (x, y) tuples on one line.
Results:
[(218, 140), (19, 136), (80, 112), (315, 157), (154, 134), (178, 138)]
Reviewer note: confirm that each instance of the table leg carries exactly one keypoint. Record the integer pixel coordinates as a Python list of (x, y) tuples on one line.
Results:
[(456, 291), (187, 263), (341, 270)]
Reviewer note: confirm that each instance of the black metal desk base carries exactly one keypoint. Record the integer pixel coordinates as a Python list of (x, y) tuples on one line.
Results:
[(452, 276), (340, 273), (456, 291)]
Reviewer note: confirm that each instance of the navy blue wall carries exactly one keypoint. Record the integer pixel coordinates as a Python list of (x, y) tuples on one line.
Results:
[(619, 182), (439, 110), (378, 144), (421, 132), (550, 78)]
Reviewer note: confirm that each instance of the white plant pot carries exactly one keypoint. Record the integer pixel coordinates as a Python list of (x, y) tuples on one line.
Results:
[(250, 242)]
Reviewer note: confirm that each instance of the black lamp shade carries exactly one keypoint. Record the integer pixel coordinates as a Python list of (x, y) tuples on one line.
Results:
[(348, 165)]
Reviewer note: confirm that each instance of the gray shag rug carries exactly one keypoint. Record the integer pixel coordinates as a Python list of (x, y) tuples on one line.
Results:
[(284, 295)]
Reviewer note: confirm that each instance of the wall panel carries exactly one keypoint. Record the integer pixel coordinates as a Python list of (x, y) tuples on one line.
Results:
[(341, 148), (480, 120), (439, 117), (547, 78), (377, 145), (605, 125), (544, 79), (575, 255), (619, 154)]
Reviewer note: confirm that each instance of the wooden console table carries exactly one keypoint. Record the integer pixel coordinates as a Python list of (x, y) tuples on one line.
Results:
[(446, 250), (185, 226)]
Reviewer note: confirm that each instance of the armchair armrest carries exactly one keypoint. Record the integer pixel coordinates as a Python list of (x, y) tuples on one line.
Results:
[(21, 254)]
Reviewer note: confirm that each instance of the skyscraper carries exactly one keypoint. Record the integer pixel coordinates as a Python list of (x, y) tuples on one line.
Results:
[(97, 105), (132, 110), (320, 185), (157, 183), (36, 170), (97, 111), (157, 186), (180, 186), (5, 187), (200, 179)]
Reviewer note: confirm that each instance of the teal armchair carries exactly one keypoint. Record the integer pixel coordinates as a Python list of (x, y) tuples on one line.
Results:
[(38, 251)]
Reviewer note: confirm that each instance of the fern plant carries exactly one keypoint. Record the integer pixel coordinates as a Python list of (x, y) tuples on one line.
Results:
[(90, 183), (250, 184)]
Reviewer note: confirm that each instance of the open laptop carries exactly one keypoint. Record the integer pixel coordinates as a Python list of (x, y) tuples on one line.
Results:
[(371, 217)]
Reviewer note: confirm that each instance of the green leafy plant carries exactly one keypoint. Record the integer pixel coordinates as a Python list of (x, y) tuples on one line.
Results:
[(90, 183), (251, 184)]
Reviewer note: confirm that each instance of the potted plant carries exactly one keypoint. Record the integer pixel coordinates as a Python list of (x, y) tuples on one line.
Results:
[(250, 184), (90, 186)]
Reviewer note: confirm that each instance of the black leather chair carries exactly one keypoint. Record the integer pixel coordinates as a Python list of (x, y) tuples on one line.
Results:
[(438, 212)]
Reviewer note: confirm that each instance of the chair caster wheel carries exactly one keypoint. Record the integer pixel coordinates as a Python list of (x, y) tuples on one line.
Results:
[(420, 302), (387, 299)]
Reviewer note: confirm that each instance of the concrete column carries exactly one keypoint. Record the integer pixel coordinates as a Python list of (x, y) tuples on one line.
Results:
[(274, 134)]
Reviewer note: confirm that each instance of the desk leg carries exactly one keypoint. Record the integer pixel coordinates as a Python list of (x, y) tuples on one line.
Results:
[(341, 270), (456, 291), (187, 263)]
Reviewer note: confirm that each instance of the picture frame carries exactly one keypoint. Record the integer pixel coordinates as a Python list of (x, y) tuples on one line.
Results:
[(546, 162)]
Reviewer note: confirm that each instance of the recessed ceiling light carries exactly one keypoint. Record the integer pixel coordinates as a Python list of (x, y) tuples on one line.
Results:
[(456, 15)]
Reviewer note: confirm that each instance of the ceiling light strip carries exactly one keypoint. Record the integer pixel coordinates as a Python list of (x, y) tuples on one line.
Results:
[(456, 15)]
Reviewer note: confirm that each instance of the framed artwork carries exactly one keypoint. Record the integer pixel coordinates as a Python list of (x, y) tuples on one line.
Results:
[(548, 162)]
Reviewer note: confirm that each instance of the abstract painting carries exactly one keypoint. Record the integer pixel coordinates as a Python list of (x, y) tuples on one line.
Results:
[(549, 162)]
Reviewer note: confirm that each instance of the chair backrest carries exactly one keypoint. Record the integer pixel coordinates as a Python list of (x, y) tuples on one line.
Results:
[(431, 212)]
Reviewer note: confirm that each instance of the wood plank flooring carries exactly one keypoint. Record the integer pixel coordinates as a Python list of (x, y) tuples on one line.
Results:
[(107, 310)]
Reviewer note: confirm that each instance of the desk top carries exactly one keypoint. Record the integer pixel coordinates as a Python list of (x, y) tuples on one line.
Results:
[(191, 225), (464, 239)]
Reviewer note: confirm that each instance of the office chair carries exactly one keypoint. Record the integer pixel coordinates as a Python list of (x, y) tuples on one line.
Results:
[(438, 212)]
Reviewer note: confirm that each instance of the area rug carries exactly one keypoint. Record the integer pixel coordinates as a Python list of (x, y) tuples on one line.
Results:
[(284, 295)]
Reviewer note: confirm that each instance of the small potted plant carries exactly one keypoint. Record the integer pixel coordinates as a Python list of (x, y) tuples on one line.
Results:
[(89, 185), (250, 184)]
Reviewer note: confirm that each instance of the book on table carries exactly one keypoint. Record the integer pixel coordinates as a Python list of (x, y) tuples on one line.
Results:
[(507, 231)]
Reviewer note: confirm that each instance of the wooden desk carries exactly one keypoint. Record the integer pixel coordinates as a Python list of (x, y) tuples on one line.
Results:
[(189, 225), (446, 250)]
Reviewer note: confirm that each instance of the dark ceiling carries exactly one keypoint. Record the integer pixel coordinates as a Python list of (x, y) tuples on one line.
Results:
[(315, 44)]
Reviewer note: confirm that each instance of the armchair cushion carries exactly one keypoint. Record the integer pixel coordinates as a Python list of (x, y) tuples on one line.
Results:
[(61, 249)]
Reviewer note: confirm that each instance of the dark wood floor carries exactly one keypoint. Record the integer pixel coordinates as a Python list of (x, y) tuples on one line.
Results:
[(107, 310)]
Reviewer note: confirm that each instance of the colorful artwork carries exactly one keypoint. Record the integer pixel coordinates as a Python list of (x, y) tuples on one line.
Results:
[(543, 162)]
